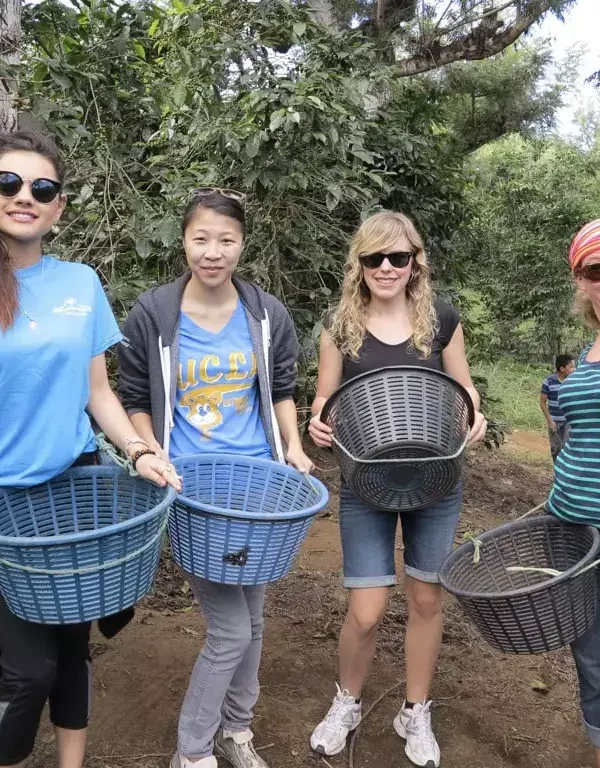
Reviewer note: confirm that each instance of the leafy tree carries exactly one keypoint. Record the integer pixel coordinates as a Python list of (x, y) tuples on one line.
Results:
[(151, 102), (528, 198), (417, 36), (313, 120), (509, 93)]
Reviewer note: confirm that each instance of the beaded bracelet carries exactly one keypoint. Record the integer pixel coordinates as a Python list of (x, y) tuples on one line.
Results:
[(137, 455)]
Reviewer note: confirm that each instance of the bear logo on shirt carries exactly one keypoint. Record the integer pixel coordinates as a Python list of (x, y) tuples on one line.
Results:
[(204, 410), (205, 405)]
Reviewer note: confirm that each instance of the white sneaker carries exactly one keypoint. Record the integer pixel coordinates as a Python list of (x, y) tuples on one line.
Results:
[(183, 762), (414, 725), (329, 737), (238, 749)]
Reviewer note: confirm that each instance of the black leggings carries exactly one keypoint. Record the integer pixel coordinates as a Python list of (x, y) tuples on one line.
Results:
[(40, 663)]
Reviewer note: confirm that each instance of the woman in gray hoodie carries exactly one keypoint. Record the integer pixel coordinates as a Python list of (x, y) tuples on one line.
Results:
[(208, 364)]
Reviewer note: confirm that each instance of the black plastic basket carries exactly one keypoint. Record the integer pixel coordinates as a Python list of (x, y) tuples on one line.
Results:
[(531, 611), (399, 435)]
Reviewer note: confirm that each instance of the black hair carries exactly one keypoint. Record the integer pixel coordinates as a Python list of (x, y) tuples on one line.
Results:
[(217, 202), (21, 141), (563, 360)]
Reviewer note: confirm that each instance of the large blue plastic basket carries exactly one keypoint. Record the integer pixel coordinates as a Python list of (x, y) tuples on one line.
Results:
[(83, 546), (241, 520)]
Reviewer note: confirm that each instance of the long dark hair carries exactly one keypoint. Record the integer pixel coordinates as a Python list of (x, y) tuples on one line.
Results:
[(21, 141)]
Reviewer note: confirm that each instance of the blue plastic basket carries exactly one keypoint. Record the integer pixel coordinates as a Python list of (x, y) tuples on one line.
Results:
[(83, 546), (241, 520)]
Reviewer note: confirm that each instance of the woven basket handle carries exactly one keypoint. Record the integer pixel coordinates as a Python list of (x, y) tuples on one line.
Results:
[(416, 460)]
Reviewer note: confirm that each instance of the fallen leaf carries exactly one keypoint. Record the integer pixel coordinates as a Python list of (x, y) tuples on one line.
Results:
[(540, 687)]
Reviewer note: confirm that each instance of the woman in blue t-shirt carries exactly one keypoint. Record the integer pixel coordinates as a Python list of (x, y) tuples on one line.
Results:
[(55, 326), (575, 494), (209, 364)]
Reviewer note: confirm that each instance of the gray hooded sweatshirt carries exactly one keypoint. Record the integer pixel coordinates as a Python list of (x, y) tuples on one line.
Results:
[(149, 356)]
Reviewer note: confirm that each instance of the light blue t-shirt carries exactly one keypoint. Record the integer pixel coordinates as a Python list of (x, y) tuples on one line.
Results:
[(64, 320), (217, 402)]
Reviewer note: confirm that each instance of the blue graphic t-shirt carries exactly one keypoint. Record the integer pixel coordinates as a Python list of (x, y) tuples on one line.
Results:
[(217, 402), (64, 320)]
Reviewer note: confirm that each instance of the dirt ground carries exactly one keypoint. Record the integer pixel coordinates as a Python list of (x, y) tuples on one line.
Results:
[(487, 713)]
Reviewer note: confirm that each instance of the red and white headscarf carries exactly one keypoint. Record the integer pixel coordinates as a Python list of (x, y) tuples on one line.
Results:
[(585, 243)]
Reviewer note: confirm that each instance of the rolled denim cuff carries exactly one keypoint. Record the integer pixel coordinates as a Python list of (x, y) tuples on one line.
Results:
[(593, 733)]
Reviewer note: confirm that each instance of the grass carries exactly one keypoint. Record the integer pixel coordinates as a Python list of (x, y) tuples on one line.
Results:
[(516, 386)]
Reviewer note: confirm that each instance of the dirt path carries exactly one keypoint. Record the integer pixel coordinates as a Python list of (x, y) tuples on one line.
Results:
[(487, 714), (531, 441)]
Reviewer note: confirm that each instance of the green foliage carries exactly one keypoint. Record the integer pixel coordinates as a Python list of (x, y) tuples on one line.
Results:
[(528, 199), (152, 101), (514, 392), (504, 95)]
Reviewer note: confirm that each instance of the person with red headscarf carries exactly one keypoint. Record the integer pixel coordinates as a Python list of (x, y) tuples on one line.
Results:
[(575, 495)]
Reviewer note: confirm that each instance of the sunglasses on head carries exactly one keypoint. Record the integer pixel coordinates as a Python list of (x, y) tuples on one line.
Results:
[(42, 190), (590, 272), (398, 259), (232, 194)]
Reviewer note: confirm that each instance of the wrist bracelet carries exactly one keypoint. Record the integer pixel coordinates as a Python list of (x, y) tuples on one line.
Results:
[(132, 440), (137, 455)]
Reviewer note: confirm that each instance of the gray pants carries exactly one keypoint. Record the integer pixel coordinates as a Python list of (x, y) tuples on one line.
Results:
[(224, 687), (558, 438)]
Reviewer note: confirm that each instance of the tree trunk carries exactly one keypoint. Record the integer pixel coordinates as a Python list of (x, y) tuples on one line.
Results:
[(10, 37), (324, 13)]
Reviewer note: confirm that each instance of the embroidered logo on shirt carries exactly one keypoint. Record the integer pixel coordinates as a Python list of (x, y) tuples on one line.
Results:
[(71, 307)]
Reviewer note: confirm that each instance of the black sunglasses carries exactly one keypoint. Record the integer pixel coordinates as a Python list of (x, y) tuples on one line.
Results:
[(398, 259), (590, 272), (42, 190)]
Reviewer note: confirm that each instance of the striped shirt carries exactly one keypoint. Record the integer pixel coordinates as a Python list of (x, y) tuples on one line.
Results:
[(551, 388), (575, 495)]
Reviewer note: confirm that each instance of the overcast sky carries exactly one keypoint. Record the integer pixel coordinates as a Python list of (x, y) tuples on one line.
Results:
[(581, 27)]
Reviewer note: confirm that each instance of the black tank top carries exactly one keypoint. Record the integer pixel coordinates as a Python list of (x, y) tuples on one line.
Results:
[(376, 354)]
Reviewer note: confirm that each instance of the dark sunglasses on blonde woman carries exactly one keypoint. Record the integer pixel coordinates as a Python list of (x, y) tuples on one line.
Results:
[(42, 190), (232, 194), (590, 272), (398, 259)]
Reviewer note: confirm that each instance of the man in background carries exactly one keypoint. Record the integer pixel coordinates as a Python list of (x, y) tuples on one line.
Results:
[(558, 429)]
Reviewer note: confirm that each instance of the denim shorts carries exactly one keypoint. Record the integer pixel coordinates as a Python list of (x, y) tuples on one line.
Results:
[(369, 537), (586, 651)]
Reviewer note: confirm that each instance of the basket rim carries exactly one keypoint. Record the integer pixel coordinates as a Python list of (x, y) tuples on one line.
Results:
[(230, 458), (427, 372), (99, 533), (529, 590)]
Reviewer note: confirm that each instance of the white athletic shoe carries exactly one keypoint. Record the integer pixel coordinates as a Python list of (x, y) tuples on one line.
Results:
[(183, 762), (238, 749), (414, 725), (329, 737)]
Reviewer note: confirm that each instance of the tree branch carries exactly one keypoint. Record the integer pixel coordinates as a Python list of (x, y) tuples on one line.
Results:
[(480, 43), (464, 22)]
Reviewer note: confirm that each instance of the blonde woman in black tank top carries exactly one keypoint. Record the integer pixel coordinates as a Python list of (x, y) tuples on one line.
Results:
[(388, 316)]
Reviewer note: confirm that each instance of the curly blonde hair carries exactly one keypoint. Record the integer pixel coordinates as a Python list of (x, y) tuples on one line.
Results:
[(348, 324)]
